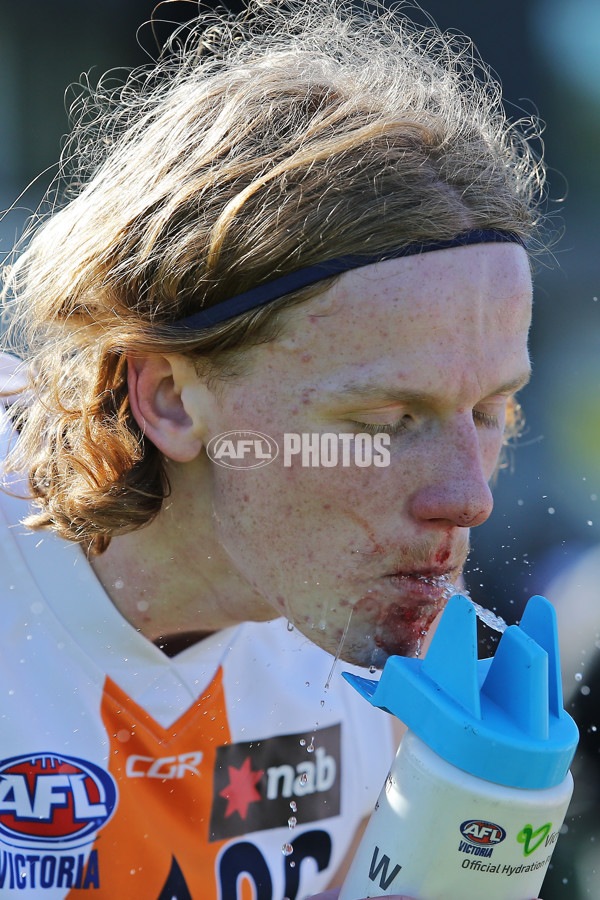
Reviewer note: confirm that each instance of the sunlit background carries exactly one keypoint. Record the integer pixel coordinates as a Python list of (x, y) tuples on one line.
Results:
[(544, 536)]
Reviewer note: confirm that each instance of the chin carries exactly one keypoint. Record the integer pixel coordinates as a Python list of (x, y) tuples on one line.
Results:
[(376, 655), (365, 650)]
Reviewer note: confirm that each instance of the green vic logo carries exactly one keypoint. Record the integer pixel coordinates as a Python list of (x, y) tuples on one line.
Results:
[(531, 839)]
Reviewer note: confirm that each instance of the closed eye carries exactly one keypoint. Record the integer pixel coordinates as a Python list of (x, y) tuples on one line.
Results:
[(485, 419), (401, 425)]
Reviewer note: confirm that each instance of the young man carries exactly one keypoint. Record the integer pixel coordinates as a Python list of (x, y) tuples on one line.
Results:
[(304, 231)]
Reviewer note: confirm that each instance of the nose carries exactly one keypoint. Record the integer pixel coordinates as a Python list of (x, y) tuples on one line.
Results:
[(455, 490)]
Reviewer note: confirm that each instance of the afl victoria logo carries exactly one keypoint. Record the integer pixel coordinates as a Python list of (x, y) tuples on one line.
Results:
[(242, 449), (482, 834), (49, 800)]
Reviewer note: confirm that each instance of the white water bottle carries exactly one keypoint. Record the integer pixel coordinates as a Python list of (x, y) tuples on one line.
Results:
[(477, 794)]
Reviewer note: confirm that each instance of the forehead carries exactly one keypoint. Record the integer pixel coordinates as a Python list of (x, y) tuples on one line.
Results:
[(462, 309)]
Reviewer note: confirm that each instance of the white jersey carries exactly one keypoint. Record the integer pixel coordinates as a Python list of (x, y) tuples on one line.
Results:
[(225, 773)]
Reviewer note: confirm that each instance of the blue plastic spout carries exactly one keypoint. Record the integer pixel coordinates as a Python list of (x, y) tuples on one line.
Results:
[(501, 719)]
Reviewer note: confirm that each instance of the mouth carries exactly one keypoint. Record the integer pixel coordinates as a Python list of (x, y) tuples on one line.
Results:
[(422, 594), (404, 607), (430, 583)]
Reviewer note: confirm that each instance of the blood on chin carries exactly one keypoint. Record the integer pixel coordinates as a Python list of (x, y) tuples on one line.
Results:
[(400, 631), (392, 629), (380, 625), (396, 632)]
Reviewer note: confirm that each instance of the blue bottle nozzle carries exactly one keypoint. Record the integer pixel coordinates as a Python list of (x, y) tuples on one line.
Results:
[(501, 719)]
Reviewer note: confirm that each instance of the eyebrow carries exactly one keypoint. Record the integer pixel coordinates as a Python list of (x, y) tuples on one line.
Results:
[(370, 392)]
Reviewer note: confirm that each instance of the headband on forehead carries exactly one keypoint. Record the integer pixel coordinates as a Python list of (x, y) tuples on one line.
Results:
[(273, 290)]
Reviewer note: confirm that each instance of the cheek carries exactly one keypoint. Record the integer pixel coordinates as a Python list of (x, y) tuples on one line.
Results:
[(299, 514)]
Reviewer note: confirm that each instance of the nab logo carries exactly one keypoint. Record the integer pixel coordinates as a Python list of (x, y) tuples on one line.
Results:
[(48, 800), (254, 782), (242, 449), (482, 834)]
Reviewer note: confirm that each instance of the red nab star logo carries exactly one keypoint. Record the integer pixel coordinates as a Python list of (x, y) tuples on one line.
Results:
[(241, 790)]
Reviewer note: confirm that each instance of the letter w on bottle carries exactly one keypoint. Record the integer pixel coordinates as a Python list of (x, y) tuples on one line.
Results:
[(382, 866)]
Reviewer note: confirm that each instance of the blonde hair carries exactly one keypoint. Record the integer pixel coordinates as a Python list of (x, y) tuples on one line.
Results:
[(257, 145)]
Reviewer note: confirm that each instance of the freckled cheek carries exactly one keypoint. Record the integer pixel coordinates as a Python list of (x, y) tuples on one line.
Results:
[(250, 504), (310, 517)]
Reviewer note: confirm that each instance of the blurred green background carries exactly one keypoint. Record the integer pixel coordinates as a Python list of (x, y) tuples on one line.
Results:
[(546, 53)]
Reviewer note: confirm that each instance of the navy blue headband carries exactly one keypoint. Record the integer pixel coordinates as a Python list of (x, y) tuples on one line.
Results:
[(272, 290)]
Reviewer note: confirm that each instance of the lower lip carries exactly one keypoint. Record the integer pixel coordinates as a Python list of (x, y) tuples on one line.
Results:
[(433, 589)]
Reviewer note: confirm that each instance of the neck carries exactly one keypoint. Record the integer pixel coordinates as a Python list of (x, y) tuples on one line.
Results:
[(173, 580)]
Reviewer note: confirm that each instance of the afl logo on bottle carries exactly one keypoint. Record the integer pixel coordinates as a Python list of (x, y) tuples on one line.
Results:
[(50, 800), (482, 834)]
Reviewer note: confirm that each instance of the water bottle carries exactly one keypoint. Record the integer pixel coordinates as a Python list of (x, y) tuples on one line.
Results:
[(477, 794)]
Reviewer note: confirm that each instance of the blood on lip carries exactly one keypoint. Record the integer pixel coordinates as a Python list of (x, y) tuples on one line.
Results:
[(437, 580)]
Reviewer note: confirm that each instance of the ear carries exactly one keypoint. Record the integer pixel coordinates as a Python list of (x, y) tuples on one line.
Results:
[(156, 397)]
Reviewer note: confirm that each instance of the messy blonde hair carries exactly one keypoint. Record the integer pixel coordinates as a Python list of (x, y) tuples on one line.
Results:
[(300, 131)]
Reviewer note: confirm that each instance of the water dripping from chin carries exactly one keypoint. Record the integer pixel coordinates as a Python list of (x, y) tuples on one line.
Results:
[(340, 647)]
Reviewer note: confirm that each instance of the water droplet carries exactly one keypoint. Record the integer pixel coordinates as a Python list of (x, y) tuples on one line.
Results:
[(578, 676), (290, 625), (489, 618), (585, 690), (322, 703), (303, 778), (287, 849), (590, 522), (311, 746), (307, 684), (302, 742), (292, 822), (372, 669), (551, 510), (293, 806)]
